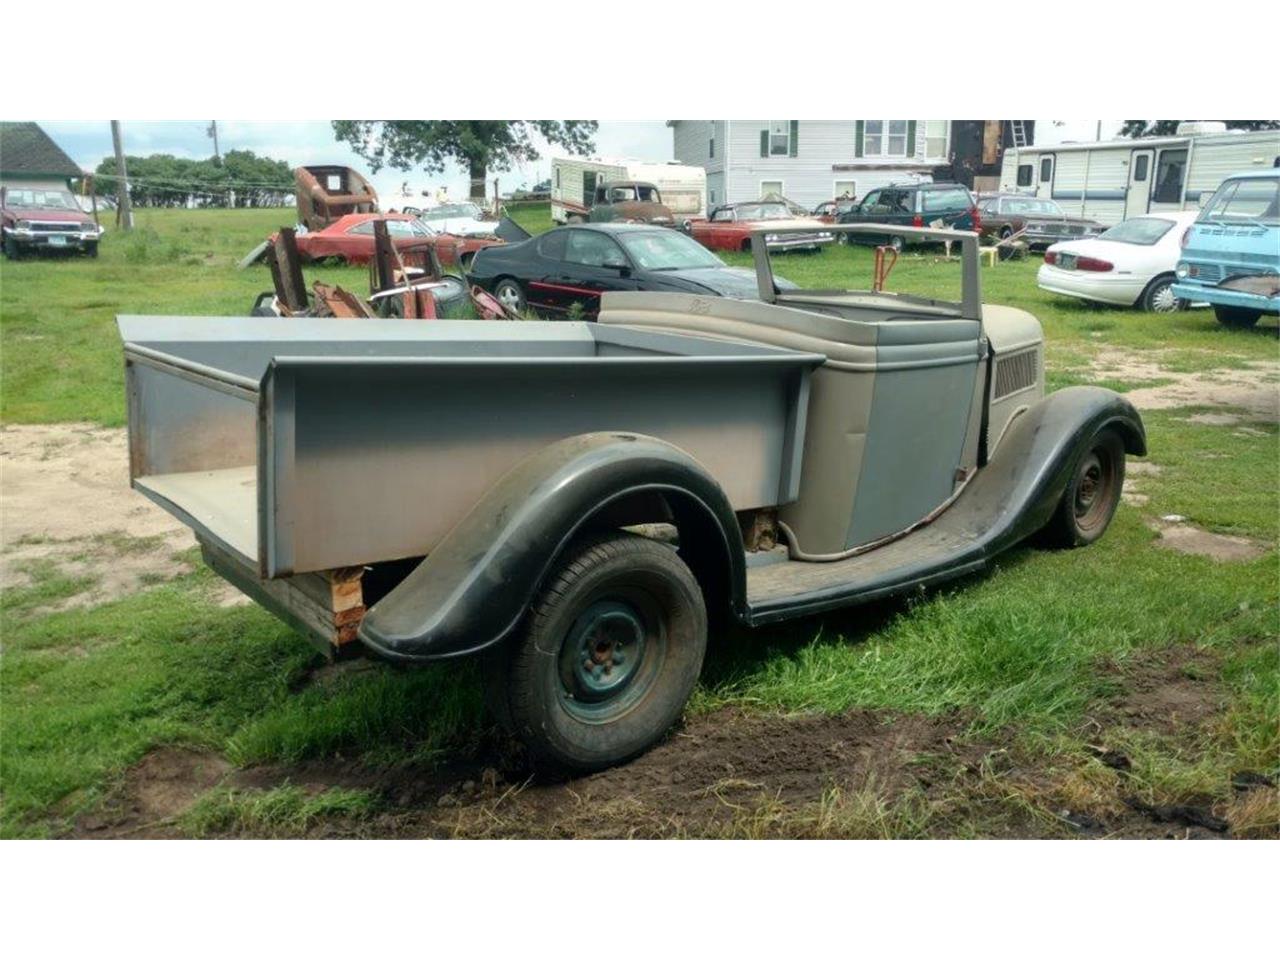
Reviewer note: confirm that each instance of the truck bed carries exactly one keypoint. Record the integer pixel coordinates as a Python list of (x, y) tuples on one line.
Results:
[(221, 505)]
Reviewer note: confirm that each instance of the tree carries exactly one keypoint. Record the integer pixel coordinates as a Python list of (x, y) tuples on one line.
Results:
[(477, 145), (1166, 128), (163, 180)]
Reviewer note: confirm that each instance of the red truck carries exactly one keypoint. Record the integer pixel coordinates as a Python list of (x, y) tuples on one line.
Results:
[(45, 218), (731, 225)]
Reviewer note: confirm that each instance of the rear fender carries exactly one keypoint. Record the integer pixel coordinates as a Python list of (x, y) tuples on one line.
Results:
[(474, 588)]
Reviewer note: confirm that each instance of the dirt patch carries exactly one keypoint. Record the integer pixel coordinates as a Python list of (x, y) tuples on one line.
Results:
[(67, 506), (1164, 692), (1251, 387), (155, 790), (1185, 538)]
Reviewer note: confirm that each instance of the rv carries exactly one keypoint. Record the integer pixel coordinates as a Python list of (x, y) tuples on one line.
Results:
[(575, 181), (1113, 180)]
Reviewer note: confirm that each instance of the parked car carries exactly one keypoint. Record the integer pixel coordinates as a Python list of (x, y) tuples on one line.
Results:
[(731, 225), (45, 218), (580, 500), (1231, 253), (1131, 265), (1004, 214), (458, 219), (577, 264), (938, 205), (350, 238), (830, 211)]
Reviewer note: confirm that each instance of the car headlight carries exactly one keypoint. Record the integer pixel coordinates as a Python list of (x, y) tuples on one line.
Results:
[(24, 225), (770, 238), (89, 228), (1181, 271), (824, 236)]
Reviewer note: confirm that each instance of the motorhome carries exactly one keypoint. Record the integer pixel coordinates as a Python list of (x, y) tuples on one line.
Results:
[(1113, 180), (575, 181)]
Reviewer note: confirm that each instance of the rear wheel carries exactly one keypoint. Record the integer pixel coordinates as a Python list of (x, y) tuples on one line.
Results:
[(610, 652), (509, 294), (1159, 298), (1092, 495), (1236, 316), (895, 244)]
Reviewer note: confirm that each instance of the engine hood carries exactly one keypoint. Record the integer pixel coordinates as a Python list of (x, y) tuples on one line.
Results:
[(736, 282)]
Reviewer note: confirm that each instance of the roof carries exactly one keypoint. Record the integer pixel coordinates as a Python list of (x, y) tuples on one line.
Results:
[(608, 226), (1271, 174), (26, 149)]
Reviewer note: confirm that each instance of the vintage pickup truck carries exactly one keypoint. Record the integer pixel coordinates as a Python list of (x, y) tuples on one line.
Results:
[(578, 501)]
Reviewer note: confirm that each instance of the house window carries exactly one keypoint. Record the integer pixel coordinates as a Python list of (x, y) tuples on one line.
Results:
[(846, 188), (1170, 169), (1140, 167), (884, 138), (712, 194), (557, 178), (1046, 169), (770, 186), (711, 148), (935, 139), (779, 138), (1025, 172)]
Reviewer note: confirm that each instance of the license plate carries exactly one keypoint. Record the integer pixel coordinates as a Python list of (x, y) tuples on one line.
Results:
[(57, 241), (1067, 261)]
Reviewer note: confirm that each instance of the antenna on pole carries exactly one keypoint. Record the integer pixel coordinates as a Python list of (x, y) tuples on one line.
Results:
[(124, 211)]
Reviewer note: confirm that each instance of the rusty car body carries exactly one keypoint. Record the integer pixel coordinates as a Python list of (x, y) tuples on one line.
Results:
[(732, 225), (325, 193), (351, 239)]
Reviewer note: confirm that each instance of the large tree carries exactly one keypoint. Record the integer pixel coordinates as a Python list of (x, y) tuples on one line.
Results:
[(1165, 128), (477, 145)]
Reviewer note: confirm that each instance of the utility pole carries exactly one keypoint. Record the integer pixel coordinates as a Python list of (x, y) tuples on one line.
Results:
[(124, 210), (213, 132)]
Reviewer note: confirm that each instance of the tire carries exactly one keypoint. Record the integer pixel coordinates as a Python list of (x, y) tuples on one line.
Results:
[(575, 218), (896, 244), (1092, 495), (607, 658), (1237, 317), (1159, 298), (509, 293), (92, 251), (842, 239), (1006, 233), (11, 249)]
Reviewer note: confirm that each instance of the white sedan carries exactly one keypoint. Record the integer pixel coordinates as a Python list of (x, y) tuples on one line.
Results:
[(458, 219), (1130, 264)]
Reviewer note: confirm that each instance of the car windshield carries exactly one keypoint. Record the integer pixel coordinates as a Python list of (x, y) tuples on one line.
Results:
[(40, 200), (1032, 206), (447, 211), (1143, 231), (667, 250), (935, 201), (763, 211), (1245, 201)]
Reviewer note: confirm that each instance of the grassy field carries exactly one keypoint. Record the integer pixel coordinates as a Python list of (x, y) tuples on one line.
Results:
[(1072, 688)]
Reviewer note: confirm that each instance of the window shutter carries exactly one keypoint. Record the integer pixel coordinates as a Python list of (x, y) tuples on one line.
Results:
[(911, 138), (857, 138), (764, 142), (795, 137)]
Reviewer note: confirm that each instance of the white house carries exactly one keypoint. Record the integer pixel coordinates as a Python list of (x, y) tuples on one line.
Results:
[(809, 161)]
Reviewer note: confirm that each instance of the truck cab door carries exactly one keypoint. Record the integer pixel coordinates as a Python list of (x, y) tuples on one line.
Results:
[(594, 264)]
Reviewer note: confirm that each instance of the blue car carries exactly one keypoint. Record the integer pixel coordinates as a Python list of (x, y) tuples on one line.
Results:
[(1231, 254)]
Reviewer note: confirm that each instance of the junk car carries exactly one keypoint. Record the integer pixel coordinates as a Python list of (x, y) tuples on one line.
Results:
[(578, 501)]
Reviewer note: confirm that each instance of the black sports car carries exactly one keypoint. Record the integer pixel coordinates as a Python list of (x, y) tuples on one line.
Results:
[(576, 264)]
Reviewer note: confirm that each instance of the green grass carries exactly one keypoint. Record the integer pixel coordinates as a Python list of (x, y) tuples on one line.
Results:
[(85, 693)]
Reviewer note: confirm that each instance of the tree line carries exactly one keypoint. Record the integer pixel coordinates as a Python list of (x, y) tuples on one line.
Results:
[(163, 180)]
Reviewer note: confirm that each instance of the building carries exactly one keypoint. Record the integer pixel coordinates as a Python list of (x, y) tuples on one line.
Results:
[(810, 161), (29, 158)]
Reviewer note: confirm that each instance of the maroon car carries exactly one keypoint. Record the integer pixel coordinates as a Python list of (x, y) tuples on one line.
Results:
[(350, 238), (45, 218), (1004, 214)]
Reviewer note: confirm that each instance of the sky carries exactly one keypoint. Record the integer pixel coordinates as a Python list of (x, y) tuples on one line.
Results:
[(306, 142)]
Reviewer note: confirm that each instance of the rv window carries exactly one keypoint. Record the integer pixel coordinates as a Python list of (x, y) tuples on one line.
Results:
[(1046, 169), (1140, 167), (1025, 172), (711, 148), (1169, 173)]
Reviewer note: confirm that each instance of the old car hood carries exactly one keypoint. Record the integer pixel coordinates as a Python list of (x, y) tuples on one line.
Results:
[(51, 216), (809, 222), (464, 226)]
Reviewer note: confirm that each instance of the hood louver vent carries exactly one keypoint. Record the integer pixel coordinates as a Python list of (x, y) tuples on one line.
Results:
[(1016, 372)]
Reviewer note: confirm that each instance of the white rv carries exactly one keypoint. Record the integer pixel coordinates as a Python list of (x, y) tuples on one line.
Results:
[(574, 181), (1113, 180)]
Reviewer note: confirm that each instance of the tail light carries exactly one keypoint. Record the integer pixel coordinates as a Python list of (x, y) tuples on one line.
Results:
[(917, 221), (1051, 257), (1094, 264), (1186, 238), (976, 215)]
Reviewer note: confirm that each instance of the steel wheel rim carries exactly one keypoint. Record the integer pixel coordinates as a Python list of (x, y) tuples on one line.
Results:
[(509, 296), (609, 658), (1093, 485), (1163, 300)]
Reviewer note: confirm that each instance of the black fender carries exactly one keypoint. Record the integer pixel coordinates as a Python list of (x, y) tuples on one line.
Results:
[(473, 589)]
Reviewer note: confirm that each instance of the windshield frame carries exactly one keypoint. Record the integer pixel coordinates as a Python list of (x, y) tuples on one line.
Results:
[(65, 195), (1227, 192)]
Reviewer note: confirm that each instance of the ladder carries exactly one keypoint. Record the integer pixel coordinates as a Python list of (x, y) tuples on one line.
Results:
[(1019, 133)]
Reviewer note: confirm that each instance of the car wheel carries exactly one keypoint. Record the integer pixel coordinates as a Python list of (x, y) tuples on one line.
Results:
[(896, 243), (1092, 495), (1159, 298), (1006, 233), (607, 659), (11, 249), (1236, 316), (509, 294), (574, 218)]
